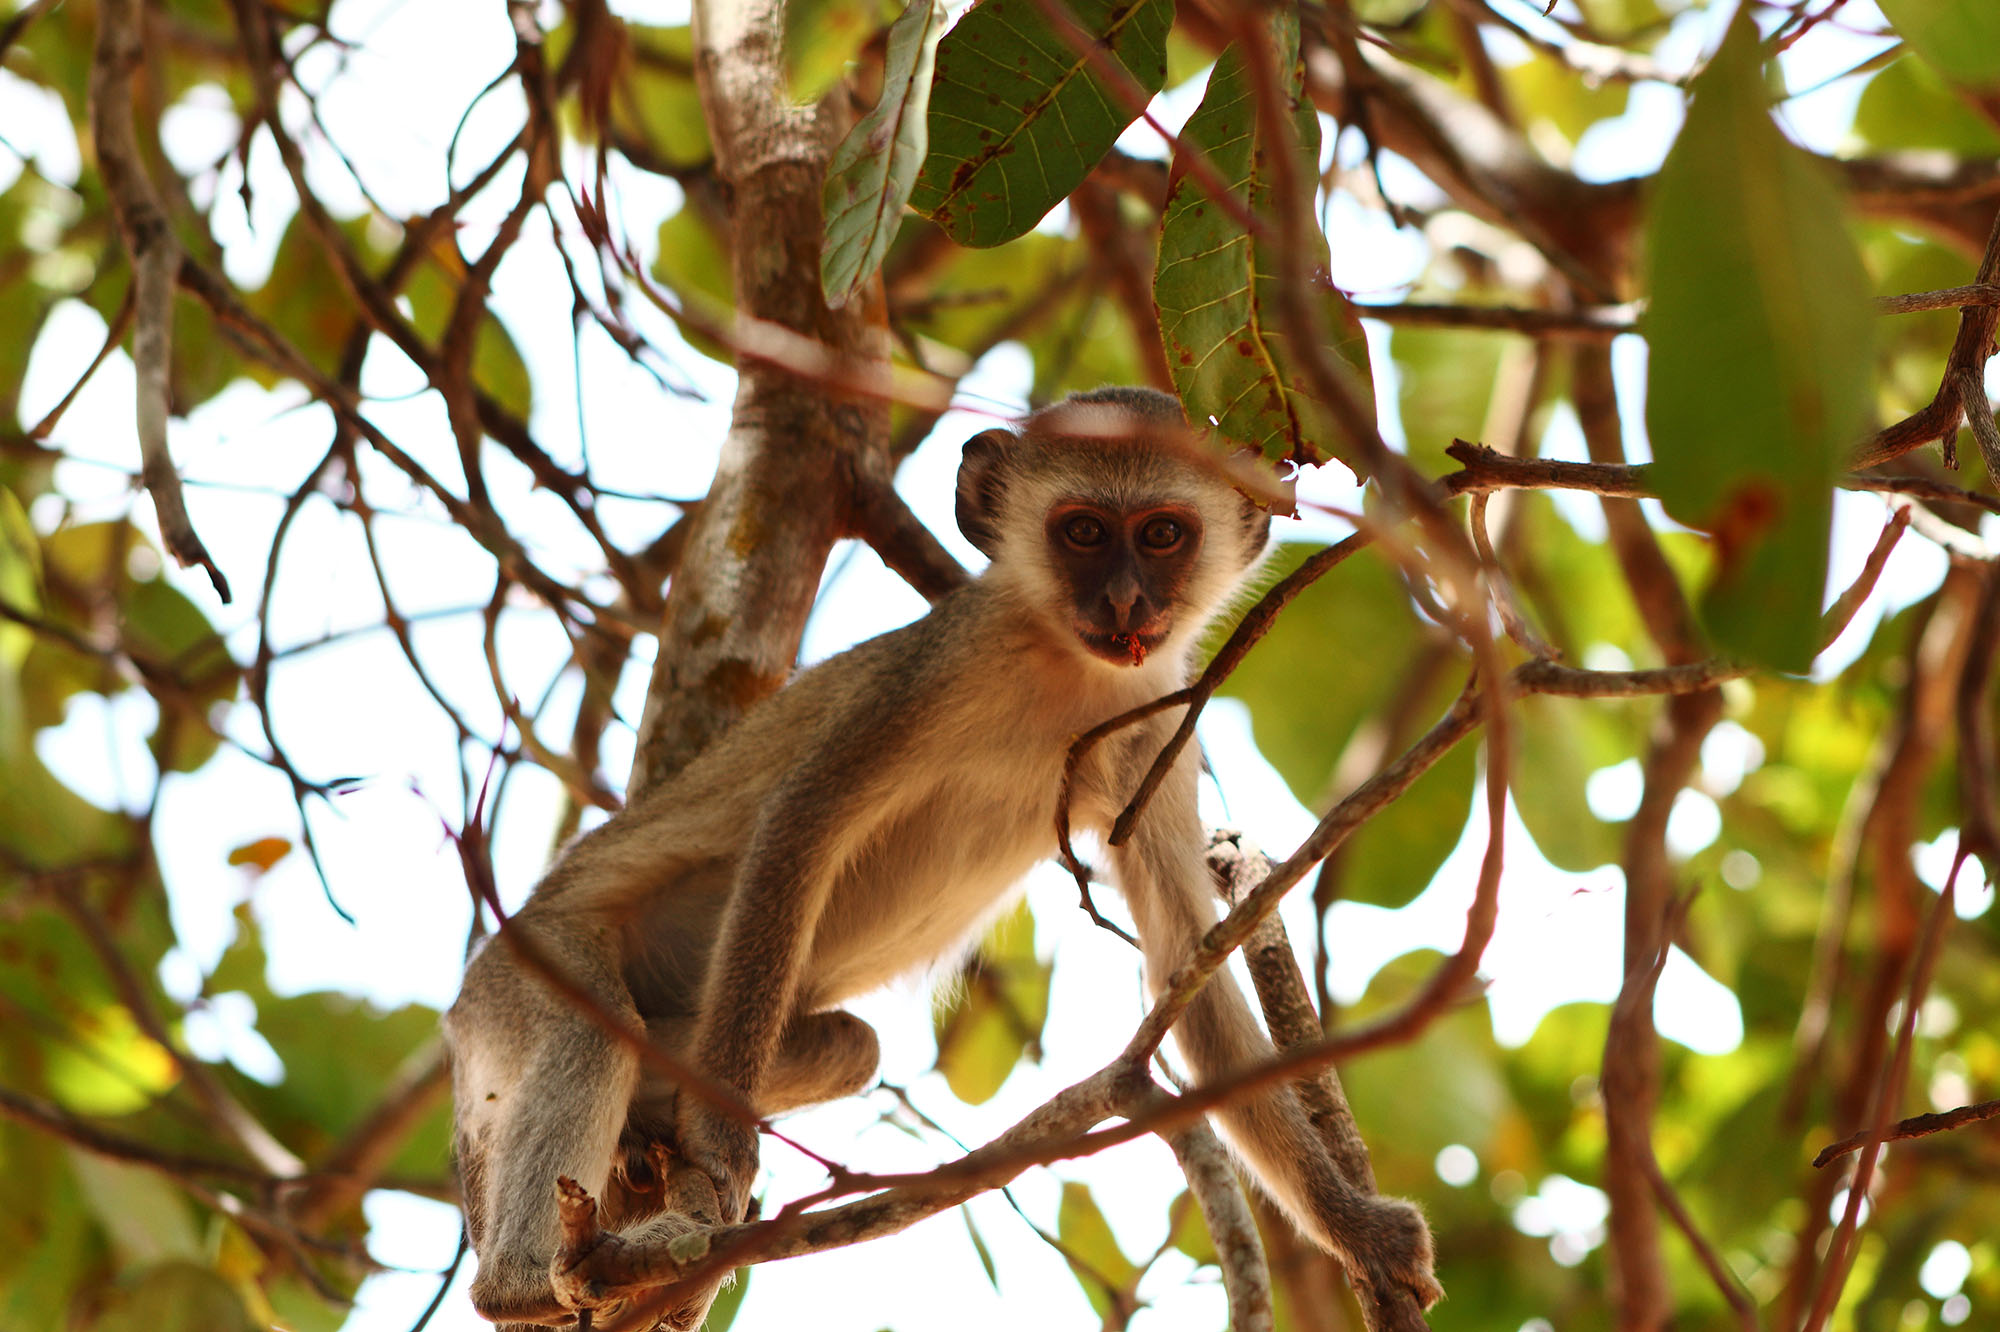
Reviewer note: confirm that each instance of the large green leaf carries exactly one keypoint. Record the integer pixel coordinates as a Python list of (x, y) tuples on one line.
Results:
[(1908, 106), (1019, 115), (869, 179), (694, 263), (1762, 342), (1960, 37), (1341, 656), (1216, 284), (304, 298), (1444, 389), (340, 1055), (49, 1245)]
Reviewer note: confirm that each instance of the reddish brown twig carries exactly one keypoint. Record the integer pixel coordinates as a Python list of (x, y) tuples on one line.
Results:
[(1916, 1126), (1888, 1090)]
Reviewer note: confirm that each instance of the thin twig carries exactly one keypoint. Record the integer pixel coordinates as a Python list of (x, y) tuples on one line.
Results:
[(1960, 389), (1916, 1126), (1599, 323), (1511, 617), (1888, 1090)]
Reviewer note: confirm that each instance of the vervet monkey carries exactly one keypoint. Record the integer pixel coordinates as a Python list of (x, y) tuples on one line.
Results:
[(859, 826)]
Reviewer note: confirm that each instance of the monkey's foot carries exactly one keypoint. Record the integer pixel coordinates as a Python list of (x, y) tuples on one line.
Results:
[(1393, 1259), (629, 1282)]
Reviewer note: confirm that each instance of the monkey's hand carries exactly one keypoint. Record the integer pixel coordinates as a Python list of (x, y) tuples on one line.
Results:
[(614, 1276), (724, 1149)]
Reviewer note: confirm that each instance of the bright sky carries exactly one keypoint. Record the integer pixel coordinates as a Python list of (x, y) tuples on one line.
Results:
[(353, 708)]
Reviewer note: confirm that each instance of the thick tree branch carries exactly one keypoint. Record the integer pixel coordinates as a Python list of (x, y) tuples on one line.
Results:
[(738, 605)]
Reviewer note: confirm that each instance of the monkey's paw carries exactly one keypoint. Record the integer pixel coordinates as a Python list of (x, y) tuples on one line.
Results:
[(1398, 1253), (725, 1150), (608, 1273)]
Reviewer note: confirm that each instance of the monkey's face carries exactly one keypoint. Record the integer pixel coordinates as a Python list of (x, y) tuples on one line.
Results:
[(1125, 570)]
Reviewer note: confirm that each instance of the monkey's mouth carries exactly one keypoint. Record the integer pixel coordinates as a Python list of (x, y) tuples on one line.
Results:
[(1121, 649)]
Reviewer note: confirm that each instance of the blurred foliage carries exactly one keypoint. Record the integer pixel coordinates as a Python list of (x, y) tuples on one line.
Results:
[(1757, 280)]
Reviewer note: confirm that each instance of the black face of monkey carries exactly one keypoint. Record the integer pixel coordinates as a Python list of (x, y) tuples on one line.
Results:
[(1125, 570)]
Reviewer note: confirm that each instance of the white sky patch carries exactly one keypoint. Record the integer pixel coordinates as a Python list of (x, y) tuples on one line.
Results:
[(1945, 1269), (1729, 753), (1694, 822), (1613, 793)]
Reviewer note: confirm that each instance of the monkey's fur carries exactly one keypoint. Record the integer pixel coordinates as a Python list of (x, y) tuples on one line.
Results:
[(859, 826)]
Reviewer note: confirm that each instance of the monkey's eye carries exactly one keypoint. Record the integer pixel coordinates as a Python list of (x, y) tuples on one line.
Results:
[(1084, 530), (1160, 534)]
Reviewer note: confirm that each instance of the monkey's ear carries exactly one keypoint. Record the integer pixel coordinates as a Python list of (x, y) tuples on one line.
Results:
[(981, 482)]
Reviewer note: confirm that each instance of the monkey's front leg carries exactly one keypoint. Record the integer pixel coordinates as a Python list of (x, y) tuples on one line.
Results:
[(540, 1091), (754, 980)]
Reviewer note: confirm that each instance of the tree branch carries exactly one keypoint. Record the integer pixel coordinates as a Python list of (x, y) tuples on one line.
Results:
[(149, 241)]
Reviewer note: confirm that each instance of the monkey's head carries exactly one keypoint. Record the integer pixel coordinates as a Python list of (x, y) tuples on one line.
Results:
[(1103, 513)]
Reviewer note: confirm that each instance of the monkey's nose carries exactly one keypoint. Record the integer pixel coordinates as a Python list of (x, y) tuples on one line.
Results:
[(1129, 608)]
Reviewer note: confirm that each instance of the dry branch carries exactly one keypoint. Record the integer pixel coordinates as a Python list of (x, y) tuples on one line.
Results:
[(149, 242), (1239, 1251)]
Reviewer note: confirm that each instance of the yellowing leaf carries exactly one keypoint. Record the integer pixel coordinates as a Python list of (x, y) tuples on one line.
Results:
[(262, 853)]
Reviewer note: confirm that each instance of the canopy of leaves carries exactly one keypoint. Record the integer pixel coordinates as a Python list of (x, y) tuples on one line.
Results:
[(403, 352)]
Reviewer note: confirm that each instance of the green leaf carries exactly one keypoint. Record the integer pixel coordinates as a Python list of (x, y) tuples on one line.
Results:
[(1413, 1100), (1019, 116), (1621, 20), (49, 1246), (304, 298), (1908, 106), (1546, 90), (694, 264), (722, 1313), (1560, 743), (1762, 345), (1215, 284), (147, 1219), (496, 362), (1960, 37), (1307, 718), (1090, 1247), (160, 626), (997, 1014), (869, 179), (657, 99), (175, 1297), (1444, 389), (822, 38), (1187, 1230)]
